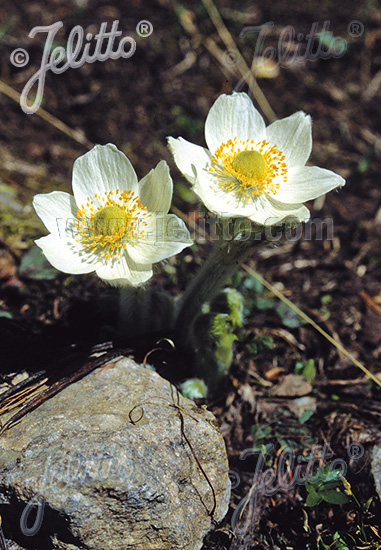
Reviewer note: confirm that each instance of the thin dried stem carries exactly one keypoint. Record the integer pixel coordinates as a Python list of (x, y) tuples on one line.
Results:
[(242, 66), (54, 121)]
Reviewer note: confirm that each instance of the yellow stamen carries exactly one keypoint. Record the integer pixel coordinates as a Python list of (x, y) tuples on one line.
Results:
[(107, 229), (249, 168)]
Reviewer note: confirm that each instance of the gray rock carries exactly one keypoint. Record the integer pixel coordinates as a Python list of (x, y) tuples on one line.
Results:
[(117, 461), (376, 467)]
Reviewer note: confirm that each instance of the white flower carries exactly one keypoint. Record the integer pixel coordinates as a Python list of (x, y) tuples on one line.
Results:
[(250, 170), (113, 225)]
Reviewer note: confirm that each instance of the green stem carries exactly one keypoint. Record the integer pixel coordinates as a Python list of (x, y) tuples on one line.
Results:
[(143, 311), (225, 259)]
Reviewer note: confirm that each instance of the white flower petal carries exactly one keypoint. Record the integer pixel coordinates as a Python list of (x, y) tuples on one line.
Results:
[(233, 117), (175, 230), (223, 203), (155, 189), (156, 251), (188, 156), (306, 183), (293, 136), (261, 210), (230, 116), (271, 212), (125, 272), (164, 227), (69, 258), (57, 210), (102, 169), (164, 237)]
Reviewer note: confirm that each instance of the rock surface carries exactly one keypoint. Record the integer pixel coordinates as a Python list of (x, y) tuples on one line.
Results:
[(376, 467), (110, 461)]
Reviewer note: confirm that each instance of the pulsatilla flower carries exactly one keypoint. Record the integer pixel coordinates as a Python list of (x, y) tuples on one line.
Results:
[(113, 225), (250, 170)]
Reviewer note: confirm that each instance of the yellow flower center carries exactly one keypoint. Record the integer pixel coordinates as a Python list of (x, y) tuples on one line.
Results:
[(107, 229), (249, 168), (250, 164), (110, 220)]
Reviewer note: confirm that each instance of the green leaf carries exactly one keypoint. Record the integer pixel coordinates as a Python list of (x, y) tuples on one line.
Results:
[(340, 544), (335, 497), (252, 283), (194, 388), (260, 342), (35, 266), (306, 415), (326, 299), (306, 369), (264, 303), (263, 432), (332, 476), (309, 371), (331, 485), (310, 488), (290, 318), (313, 499)]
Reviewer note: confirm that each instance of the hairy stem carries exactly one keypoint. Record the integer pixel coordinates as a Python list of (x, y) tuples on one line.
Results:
[(143, 311), (225, 259), (131, 311)]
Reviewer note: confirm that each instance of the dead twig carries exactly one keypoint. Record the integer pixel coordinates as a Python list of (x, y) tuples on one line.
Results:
[(16, 400), (58, 386), (20, 385)]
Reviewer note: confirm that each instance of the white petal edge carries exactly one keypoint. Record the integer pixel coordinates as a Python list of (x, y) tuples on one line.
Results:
[(125, 272), (230, 116), (155, 189), (188, 157), (293, 136), (57, 210), (65, 257), (166, 227), (169, 237), (271, 212), (306, 183), (101, 170)]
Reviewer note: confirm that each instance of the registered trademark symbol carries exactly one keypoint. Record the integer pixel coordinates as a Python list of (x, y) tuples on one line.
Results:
[(355, 450), (355, 28), (144, 28)]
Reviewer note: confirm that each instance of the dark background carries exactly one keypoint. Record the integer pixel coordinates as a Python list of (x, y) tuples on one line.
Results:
[(166, 88)]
